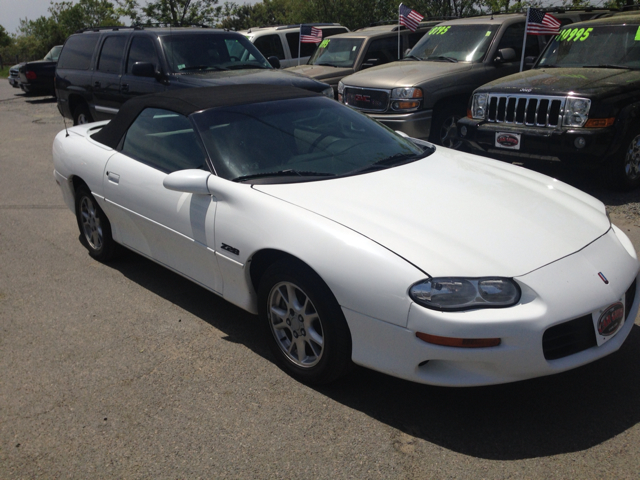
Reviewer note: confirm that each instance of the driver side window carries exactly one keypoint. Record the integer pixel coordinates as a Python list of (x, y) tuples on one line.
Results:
[(164, 140)]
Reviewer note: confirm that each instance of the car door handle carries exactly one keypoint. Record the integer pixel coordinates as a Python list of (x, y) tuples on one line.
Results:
[(124, 88), (113, 177), (96, 84)]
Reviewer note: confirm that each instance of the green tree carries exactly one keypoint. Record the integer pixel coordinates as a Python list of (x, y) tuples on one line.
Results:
[(5, 38)]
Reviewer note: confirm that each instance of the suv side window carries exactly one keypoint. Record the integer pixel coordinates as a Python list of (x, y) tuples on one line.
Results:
[(164, 140), (141, 50), (77, 52), (111, 54), (306, 49), (270, 45), (512, 38), (385, 50)]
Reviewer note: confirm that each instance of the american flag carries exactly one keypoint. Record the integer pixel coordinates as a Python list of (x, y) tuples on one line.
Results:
[(541, 23), (309, 34), (409, 18)]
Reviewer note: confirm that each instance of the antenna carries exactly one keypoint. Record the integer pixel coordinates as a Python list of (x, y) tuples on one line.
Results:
[(65, 126)]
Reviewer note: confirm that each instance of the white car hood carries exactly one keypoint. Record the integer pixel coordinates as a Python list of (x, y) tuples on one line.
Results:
[(454, 214)]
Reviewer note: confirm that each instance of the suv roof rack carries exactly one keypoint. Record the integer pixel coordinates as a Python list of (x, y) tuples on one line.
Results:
[(172, 25), (113, 27)]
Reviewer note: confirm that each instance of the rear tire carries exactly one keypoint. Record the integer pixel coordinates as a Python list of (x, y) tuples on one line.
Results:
[(81, 114), (303, 323), (94, 226)]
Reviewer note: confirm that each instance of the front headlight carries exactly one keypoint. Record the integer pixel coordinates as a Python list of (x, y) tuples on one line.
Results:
[(457, 293), (328, 92), (406, 99), (340, 87), (576, 111), (479, 106)]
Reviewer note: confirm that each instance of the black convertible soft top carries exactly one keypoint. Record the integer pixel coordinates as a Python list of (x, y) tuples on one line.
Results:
[(190, 100)]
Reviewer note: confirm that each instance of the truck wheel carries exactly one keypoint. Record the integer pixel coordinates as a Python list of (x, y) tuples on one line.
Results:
[(624, 168), (81, 115), (444, 130)]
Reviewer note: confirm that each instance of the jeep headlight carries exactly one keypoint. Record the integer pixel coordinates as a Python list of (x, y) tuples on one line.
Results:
[(576, 111), (479, 106), (459, 293), (406, 99)]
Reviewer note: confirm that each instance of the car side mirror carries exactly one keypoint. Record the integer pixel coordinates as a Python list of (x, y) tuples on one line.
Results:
[(143, 69), (528, 62), (406, 52), (370, 62), (505, 55), (188, 181), (274, 61)]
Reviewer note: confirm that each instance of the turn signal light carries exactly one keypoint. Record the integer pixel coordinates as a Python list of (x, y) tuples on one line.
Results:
[(469, 115), (30, 75), (599, 122), (459, 342)]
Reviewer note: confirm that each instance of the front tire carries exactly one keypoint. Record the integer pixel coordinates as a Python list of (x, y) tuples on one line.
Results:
[(304, 325), (94, 226), (444, 129)]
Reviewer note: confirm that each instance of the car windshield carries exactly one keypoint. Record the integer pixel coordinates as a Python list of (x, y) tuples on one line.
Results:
[(53, 54), (598, 46), (214, 52), (299, 140), (457, 43), (337, 52)]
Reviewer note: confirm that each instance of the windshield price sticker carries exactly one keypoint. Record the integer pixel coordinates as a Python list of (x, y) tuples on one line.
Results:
[(324, 43), (575, 34), (637, 34), (439, 30)]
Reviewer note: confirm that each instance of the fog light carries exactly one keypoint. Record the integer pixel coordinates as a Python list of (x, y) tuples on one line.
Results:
[(463, 131), (580, 142)]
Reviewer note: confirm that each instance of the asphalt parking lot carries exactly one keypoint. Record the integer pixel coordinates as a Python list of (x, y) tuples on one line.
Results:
[(127, 370)]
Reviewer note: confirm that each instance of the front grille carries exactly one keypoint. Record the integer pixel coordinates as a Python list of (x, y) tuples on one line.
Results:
[(579, 334), (529, 110), (569, 338), (366, 99)]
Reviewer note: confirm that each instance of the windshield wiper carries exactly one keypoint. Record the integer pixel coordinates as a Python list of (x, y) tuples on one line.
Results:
[(441, 57), (607, 65), (245, 65), (326, 64), (412, 57), (392, 161), (283, 173), (203, 67)]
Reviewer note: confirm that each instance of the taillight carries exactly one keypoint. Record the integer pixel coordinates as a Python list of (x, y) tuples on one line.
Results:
[(31, 75)]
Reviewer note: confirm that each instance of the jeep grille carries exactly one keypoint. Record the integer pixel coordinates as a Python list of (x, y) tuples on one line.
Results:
[(367, 99), (530, 110)]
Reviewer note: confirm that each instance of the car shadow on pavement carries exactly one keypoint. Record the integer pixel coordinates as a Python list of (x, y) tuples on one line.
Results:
[(41, 100), (568, 412)]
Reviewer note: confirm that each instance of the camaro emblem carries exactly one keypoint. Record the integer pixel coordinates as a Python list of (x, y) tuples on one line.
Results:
[(604, 279), (611, 319)]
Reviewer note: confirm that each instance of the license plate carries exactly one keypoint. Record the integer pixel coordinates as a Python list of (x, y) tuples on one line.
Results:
[(608, 321), (508, 140)]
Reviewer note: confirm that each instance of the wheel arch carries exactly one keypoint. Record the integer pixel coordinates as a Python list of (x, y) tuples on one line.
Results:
[(262, 259)]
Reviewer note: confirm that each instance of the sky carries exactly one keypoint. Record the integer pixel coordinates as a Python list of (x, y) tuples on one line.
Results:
[(12, 11)]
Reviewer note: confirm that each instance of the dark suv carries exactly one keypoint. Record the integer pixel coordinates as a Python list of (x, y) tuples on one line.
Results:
[(100, 69), (579, 105)]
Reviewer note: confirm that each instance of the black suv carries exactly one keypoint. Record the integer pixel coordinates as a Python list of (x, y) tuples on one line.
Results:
[(100, 69), (579, 105)]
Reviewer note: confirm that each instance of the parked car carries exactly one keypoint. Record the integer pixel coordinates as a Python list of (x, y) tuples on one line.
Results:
[(100, 69), (37, 77), (283, 42), (427, 92), (579, 104), (14, 76), (313, 216), (347, 53)]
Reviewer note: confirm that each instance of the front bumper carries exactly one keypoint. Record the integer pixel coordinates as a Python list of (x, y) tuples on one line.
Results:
[(14, 82), (538, 143), (415, 124), (567, 289)]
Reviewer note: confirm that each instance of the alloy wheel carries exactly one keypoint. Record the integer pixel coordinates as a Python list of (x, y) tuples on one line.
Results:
[(91, 226)]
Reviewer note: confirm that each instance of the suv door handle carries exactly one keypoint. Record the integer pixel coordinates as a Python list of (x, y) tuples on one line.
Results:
[(96, 84), (124, 88)]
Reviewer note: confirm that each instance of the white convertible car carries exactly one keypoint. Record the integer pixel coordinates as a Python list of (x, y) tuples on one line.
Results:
[(354, 244)]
